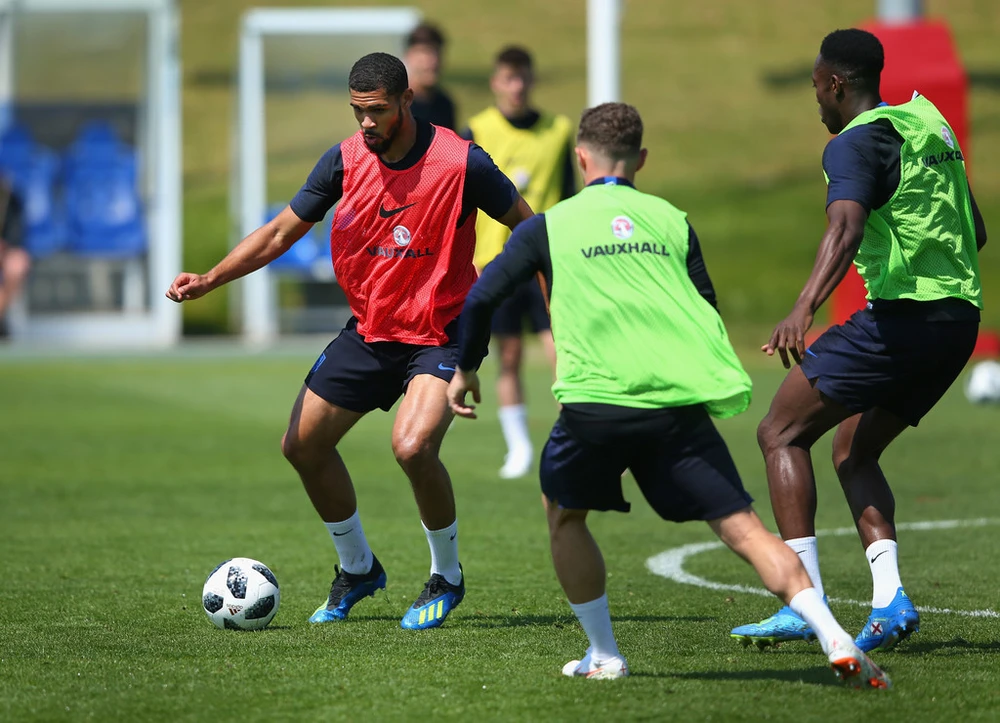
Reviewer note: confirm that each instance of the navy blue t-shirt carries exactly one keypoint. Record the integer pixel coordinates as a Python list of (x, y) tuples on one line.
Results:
[(863, 165), (486, 187), (438, 108)]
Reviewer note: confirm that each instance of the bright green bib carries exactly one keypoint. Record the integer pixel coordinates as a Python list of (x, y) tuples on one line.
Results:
[(630, 327), (922, 243)]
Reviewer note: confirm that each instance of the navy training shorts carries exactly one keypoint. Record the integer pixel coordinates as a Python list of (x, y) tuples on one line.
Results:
[(362, 376), (526, 304), (900, 363), (676, 455)]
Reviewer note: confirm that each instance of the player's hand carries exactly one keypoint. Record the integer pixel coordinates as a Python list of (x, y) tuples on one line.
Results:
[(789, 337), (188, 286), (461, 384)]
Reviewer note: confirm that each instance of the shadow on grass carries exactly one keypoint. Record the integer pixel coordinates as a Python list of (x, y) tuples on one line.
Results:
[(518, 621), (811, 676), (955, 646)]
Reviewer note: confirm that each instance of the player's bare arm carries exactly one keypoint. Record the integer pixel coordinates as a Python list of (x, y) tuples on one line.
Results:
[(255, 251), (518, 212), (844, 231), (977, 219)]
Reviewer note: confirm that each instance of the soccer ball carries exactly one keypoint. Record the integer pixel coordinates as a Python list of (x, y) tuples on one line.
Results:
[(241, 594), (983, 384)]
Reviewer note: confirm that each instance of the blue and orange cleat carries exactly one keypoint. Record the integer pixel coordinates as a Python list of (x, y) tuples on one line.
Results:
[(347, 590), (782, 627), (438, 599), (889, 625)]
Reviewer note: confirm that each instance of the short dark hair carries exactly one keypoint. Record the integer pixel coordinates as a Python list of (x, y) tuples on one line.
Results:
[(857, 54), (516, 57), (379, 71), (613, 129), (426, 34)]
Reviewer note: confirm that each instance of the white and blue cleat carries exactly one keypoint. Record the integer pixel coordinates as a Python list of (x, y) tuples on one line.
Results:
[(347, 590), (782, 627), (889, 625), (438, 599)]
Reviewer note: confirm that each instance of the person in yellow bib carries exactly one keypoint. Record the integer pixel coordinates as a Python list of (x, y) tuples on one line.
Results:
[(535, 151)]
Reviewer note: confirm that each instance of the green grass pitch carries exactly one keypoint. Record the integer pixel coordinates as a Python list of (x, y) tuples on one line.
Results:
[(123, 482)]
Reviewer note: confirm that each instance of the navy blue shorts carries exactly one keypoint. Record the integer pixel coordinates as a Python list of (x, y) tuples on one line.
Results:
[(902, 364), (362, 376), (678, 459), (526, 304)]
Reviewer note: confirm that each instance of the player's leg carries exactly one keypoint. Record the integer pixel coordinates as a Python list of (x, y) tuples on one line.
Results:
[(343, 385), (14, 266), (924, 359), (799, 415), (507, 326), (857, 447), (782, 573), (421, 423), (577, 477), (685, 472)]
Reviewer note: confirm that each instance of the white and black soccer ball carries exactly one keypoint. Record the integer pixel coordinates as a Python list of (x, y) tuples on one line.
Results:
[(983, 385), (241, 594)]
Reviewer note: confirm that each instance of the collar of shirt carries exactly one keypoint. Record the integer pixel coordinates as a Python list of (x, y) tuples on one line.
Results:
[(611, 181)]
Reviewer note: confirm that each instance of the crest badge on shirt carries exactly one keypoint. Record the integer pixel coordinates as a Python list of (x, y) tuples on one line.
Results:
[(946, 134), (401, 235), (622, 227)]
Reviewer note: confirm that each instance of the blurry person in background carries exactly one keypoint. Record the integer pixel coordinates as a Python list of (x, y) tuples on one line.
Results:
[(424, 47), (535, 150), (14, 260)]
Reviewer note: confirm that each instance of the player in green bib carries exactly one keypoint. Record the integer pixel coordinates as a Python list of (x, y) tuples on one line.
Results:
[(643, 362), (899, 207)]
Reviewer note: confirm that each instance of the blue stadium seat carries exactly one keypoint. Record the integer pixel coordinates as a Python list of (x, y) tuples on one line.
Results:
[(33, 171), (105, 212), (308, 257)]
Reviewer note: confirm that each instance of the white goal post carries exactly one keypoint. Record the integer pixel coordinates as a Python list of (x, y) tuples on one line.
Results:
[(258, 298)]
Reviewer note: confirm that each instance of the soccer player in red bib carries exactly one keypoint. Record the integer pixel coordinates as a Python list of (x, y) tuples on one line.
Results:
[(402, 242)]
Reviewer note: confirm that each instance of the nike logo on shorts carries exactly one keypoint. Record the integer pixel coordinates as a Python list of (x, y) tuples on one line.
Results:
[(443, 368), (386, 213)]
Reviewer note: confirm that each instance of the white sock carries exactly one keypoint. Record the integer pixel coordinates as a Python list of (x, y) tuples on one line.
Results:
[(881, 556), (809, 606), (596, 621), (352, 547), (444, 552), (514, 423), (805, 548)]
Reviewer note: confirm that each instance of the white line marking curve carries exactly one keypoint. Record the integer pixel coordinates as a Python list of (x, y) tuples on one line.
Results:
[(670, 564)]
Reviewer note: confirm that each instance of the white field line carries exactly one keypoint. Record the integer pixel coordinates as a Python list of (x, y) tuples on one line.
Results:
[(670, 564)]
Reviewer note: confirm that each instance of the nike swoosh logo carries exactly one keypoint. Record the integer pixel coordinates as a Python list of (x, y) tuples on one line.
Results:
[(878, 556), (443, 368), (341, 534), (386, 213), (453, 537)]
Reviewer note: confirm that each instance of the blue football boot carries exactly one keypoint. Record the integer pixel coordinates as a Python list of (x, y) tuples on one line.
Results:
[(438, 599), (347, 590), (889, 625), (782, 627)]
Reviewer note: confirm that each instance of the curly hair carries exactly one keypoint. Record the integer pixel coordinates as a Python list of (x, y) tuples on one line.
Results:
[(379, 71), (857, 55)]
